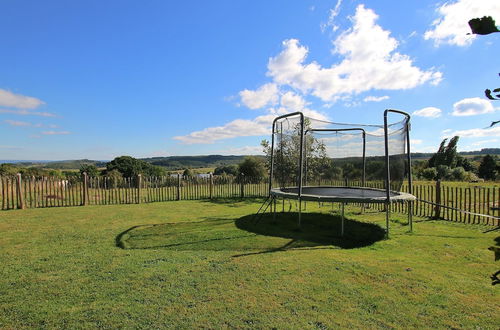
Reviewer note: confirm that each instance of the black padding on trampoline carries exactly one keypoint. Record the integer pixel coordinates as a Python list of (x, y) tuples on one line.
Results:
[(342, 194)]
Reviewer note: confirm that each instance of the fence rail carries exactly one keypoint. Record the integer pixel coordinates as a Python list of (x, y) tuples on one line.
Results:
[(476, 204)]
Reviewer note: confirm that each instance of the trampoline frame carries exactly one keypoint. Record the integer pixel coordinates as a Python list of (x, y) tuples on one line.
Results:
[(299, 196)]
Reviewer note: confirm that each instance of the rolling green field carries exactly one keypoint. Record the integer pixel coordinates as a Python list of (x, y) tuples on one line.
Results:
[(209, 264)]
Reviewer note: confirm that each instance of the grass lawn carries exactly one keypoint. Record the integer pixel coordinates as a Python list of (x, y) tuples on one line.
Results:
[(208, 264)]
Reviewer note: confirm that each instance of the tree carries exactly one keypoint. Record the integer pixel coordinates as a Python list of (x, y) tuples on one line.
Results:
[(130, 167), (90, 169), (228, 169), (466, 164), (8, 169), (443, 172), (429, 173), (114, 178), (188, 173), (458, 173), (252, 168), (287, 155), (488, 168), (446, 154)]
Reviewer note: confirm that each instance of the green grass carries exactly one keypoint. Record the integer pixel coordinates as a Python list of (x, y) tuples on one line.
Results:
[(208, 264)]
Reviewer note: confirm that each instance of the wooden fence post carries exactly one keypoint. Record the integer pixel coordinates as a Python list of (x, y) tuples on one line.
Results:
[(20, 195), (211, 186), (139, 183), (178, 186), (437, 208), (85, 188), (242, 185)]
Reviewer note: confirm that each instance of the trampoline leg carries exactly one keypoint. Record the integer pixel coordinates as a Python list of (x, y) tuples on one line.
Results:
[(300, 212), (410, 215), (342, 223), (274, 209), (283, 206), (387, 216)]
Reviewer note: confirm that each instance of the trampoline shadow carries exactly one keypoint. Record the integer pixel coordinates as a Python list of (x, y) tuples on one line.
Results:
[(246, 236), (317, 229)]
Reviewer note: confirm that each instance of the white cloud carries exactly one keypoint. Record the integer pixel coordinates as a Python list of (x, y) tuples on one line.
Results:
[(416, 141), (9, 99), (292, 101), (17, 123), (429, 112), (331, 18), (246, 150), (28, 124), (264, 95), (483, 142), (23, 112), (452, 25), (372, 98), (446, 131), (239, 127), (472, 106), (55, 132), (370, 62), (475, 132)]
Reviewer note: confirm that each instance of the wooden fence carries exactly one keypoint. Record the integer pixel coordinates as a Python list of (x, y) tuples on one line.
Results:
[(471, 204)]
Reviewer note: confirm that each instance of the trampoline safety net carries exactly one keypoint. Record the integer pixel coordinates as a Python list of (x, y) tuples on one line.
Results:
[(339, 154)]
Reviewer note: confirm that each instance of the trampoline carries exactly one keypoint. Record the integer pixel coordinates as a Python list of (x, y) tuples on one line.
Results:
[(317, 160), (342, 194)]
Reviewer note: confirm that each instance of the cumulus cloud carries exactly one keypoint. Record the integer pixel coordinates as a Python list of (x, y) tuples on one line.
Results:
[(23, 112), (451, 27), (472, 106), (429, 112), (375, 98), (370, 62), (264, 95), (239, 127), (293, 101), (475, 132), (9, 99)]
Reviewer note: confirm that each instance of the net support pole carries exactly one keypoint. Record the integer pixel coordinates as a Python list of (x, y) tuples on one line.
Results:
[(301, 165), (387, 176), (410, 180), (364, 168), (387, 167)]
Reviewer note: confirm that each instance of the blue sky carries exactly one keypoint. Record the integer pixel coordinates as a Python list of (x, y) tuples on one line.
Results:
[(100, 79)]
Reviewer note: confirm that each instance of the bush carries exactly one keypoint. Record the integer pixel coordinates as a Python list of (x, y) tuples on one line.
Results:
[(443, 172), (458, 173), (429, 173), (252, 167), (229, 169)]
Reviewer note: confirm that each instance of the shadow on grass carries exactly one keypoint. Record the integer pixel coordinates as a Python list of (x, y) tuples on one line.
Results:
[(318, 230), (235, 201)]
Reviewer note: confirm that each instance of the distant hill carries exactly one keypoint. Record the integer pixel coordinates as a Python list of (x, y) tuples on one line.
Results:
[(73, 164), (181, 162), (484, 151)]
